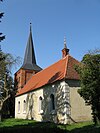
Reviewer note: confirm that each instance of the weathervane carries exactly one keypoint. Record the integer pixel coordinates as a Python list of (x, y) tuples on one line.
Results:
[(65, 46)]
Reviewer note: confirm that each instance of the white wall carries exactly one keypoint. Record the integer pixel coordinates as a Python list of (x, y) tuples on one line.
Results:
[(79, 110), (69, 106), (59, 91)]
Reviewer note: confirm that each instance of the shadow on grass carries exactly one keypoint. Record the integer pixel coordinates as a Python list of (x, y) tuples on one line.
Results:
[(38, 127), (41, 127), (86, 129)]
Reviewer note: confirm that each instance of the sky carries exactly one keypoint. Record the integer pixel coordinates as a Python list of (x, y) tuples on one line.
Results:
[(52, 20)]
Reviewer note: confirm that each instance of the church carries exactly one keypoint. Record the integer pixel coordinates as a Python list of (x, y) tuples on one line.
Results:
[(49, 94)]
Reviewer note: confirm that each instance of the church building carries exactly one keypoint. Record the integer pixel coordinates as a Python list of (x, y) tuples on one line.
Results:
[(49, 94)]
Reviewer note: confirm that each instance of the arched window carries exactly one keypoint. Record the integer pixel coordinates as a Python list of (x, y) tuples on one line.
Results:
[(24, 106), (52, 102), (40, 103), (18, 106)]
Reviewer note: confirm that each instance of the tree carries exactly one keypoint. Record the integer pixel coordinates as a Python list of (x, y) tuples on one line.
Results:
[(2, 37), (89, 72), (7, 91), (6, 83), (9, 104)]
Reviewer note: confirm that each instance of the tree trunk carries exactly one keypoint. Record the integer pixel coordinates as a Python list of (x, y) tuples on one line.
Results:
[(1, 105), (0, 116)]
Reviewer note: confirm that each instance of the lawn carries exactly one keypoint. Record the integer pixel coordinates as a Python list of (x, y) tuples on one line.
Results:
[(30, 126)]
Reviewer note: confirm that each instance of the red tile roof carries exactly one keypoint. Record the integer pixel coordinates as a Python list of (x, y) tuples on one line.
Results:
[(64, 68)]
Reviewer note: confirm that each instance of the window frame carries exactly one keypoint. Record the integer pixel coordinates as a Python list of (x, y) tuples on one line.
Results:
[(40, 105), (18, 106), (24, 106), (52, 102)]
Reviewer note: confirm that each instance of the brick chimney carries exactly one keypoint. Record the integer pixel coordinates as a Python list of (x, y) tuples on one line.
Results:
[(65, 50)]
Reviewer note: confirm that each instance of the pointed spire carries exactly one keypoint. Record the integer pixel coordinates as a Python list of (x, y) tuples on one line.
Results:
[(29, 58), (30, 27), (65, 50), (29, 53)]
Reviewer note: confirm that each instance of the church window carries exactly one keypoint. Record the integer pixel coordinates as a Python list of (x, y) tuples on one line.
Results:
[(24, 106), (18, 106), (52, 102), (40, 104)]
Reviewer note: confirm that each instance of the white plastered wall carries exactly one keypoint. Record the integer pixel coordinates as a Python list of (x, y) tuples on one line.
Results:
[(79, 110), (69, 106), (59, 115)]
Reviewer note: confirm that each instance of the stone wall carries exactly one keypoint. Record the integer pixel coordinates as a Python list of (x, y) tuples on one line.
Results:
[(58, 115), (79, 111), (69, 106)]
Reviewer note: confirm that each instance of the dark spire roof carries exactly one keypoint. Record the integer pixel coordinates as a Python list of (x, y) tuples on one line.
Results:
[(29, 58)]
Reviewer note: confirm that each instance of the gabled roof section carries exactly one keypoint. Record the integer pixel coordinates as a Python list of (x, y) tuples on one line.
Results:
[(64, 68), (29, 58), (70, 71)]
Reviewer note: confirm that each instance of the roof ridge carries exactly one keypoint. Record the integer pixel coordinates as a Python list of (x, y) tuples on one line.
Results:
[(54, 72), (73, 58), (71, 73), (66, 66), (47, 67)]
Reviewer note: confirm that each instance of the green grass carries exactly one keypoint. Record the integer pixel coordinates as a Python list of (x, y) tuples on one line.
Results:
[(30, 126), (78, 125), (15, 122)]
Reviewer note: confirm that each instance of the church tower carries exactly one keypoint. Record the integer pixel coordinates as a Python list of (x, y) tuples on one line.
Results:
[(29, 66)]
